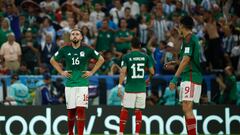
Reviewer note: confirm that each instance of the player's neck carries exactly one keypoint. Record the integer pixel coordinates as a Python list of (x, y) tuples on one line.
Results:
[(75, 46), (187, 34), (135, 49)]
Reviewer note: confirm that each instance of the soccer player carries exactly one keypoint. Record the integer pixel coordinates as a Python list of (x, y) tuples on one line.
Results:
[(76, 57), (190, 72), (134, 97)]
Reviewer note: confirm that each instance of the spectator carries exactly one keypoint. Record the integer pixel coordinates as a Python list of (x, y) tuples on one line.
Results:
[(178, 9), (111, 24), (46, 28), (68, 24), (59, 90), (44, 95), (134, 7), (188, 5), (30, 53), (143, 31), (87, 6), (123, 37), (169, 97), (105, 69), (97, 15), (105, 38), (117, 12), (12, 14), (47, 50), (4, 30), (228, 87), (113, 98), (158, 51), (214, 49), (23, 24), (132, 24), (144, 13), (18, 92), (170, 55), (87, 38), (86, 22), (159, 24), (11, 53), (168, 8)]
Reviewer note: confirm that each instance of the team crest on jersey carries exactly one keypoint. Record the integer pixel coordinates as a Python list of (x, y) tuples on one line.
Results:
[(82, 54)]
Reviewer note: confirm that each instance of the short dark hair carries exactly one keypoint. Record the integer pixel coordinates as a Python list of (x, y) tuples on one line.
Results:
[(14, 76), (76, 29), (187, 22), (135, 43)]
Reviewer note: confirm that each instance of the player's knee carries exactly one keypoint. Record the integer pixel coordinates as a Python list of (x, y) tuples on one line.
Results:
[(187, 106), (124, 109)]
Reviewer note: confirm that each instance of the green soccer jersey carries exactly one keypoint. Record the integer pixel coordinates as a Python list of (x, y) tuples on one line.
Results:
[(125, 45), (76, 61), (104, 40), (136, 62), (192, 71)]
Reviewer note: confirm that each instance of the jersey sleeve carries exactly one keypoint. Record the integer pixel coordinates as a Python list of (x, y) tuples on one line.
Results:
[(59, 55), (188, 49), (94, 54), (124, 62), (149, 62)]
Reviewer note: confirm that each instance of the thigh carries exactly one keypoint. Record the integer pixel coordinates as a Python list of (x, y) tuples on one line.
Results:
[(70, 97), (141, 100), (129, 100), (82, 96)]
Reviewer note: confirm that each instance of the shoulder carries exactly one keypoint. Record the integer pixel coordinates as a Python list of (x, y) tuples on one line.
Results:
[(194, 37), (86, 47), (4, 44), (66, 47)]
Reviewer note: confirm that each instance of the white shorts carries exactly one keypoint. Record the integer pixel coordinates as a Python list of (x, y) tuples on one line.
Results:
[(76, 96), (190, 91), (134, 100)]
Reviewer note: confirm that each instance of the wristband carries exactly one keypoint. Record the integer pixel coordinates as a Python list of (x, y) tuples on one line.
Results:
[(119, 85), (174, 80)]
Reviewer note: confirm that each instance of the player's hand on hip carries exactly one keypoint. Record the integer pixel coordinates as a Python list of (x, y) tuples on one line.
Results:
[(87, 74), (66, 74), (172, 86)]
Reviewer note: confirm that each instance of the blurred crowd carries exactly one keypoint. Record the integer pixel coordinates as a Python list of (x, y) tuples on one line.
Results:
[(32, 31)]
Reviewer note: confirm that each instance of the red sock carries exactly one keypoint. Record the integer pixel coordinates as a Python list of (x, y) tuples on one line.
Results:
[(71, 120), (80, 119), (191, 126), (138, 114), (123, 119)]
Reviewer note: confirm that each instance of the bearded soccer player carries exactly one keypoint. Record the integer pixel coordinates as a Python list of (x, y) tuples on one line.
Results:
[(76, 57), (134, 97), (190, 73)]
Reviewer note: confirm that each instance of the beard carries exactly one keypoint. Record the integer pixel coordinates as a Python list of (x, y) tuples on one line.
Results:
[(75, 41)]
